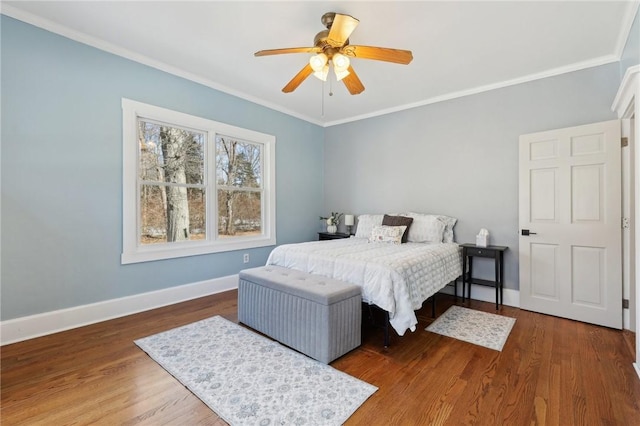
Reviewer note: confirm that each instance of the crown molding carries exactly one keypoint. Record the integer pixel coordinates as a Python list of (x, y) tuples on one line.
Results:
[(136, 57), (626, 92), (485, 88), (100, 44), (625, 28)]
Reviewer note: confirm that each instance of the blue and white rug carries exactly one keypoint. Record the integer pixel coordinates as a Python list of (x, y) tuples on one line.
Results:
[(479, 328), (247, 378)]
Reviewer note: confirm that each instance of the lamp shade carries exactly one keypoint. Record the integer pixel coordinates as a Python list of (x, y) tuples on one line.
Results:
[(341, 74), (322, 73), (348, 219), (340, 62), (318, 62)]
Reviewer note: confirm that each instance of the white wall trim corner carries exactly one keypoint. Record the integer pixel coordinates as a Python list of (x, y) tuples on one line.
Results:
[(624, 99), (626, 105), (29, 327)]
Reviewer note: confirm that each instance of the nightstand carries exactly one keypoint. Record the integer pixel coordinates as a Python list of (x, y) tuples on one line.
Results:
[(469, 251), (332, 236)]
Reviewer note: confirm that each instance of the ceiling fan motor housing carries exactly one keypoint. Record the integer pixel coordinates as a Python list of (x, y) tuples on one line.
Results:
[(332, 45), (320, 40), (327, 19)]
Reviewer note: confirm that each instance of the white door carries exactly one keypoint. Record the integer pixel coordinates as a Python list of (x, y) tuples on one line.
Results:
[(570, 203)]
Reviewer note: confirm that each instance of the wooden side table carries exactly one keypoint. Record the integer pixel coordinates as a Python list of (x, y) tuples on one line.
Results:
[(332, 236), (469, 251)]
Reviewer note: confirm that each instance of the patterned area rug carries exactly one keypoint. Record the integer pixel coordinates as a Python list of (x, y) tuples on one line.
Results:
[(249, 379), (479, 328)]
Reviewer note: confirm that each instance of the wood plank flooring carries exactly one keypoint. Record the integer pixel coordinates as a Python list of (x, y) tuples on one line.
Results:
[(551, 372)]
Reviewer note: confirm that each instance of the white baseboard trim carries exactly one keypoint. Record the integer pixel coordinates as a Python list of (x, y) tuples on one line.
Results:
[(626, 319), (512, 298), (488, 294), (637, 367), (29, 327)]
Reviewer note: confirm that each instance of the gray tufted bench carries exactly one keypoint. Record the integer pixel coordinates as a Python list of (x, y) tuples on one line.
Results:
[(318, 316)]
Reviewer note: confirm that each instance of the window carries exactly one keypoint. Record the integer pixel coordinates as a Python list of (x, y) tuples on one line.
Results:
[(193, 186)]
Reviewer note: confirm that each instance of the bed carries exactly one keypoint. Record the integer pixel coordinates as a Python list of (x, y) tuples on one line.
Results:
[(398, 278)]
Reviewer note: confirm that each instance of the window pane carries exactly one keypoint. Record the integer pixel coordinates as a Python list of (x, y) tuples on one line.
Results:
[(171, 213), (238, 163), (239, 213), (170, 154), (177, 168)]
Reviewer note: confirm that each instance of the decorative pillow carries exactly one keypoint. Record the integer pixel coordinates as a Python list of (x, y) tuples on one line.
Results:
[(449, 223), (398, 221), (365, 224), (387, 234), (426, 228)]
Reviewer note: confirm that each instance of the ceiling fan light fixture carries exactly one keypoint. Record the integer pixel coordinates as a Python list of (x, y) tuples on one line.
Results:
[(318, 62), (328, 46), (322, 73), (341, 74), (340, 62)]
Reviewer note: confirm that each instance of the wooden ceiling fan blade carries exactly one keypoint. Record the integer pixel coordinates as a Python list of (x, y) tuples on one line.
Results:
[(397, 56), (353, 83), (288, 50), (341, 29), (298, 79)]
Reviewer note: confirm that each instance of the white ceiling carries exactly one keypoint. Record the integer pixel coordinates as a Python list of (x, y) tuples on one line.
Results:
[(459, 48)]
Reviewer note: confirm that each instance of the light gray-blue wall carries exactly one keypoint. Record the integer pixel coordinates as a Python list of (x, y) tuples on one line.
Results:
[(459, 157), (62, 172)]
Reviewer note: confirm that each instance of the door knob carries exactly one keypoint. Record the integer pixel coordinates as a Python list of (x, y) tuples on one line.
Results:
[(526, 232)]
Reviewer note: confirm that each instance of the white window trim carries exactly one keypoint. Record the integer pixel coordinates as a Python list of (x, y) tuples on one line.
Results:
[(132, 251)]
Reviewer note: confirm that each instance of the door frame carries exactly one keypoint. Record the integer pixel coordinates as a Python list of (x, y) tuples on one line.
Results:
[(627, 105)]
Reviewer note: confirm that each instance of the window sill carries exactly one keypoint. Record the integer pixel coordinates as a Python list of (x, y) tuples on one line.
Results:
[(149, 254)]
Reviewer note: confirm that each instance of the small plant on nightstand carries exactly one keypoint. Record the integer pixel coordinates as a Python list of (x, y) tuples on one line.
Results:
[(333, 220)]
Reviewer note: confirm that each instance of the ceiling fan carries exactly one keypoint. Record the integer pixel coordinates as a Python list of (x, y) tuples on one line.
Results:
[(332, 45)]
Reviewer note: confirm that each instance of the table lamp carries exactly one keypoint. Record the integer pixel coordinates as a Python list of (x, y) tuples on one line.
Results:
[(348, 221)]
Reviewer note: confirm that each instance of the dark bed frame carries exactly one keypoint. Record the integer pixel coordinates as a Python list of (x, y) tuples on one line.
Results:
[(386, 325)]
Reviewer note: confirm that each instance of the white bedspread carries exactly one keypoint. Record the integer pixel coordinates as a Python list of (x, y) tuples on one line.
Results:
[(397, 278)]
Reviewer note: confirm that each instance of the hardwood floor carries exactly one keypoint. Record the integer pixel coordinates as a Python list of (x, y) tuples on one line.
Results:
[(551, 372)]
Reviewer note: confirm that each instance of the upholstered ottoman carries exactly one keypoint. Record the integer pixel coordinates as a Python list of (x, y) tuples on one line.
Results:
[(315, 315)]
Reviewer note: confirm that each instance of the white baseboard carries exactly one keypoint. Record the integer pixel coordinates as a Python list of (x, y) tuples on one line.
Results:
[(488, 294), (512, 298), (29, 327), (626, 320), (637, 367)]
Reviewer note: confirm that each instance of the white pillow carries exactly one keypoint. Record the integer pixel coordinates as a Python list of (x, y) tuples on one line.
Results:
[(365, 224), (426, 228), (387, 234), (449, 223)]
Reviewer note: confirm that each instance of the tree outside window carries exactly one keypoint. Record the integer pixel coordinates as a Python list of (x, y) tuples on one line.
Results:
[(193, 186), (238, 174), (172, 189)]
